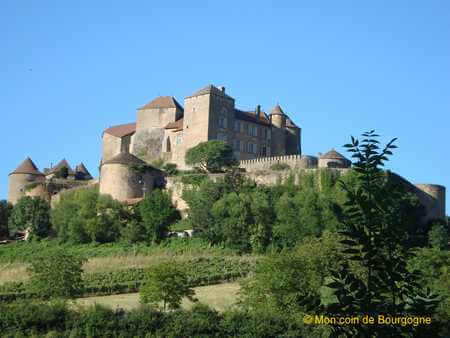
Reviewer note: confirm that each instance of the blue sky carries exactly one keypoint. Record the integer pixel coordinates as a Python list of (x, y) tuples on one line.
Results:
[(69, 69)]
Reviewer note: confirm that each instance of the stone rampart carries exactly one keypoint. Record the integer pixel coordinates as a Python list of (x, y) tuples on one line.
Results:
[(293, 161)]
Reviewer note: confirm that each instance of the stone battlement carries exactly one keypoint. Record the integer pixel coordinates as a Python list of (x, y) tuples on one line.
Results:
[(293, 161)]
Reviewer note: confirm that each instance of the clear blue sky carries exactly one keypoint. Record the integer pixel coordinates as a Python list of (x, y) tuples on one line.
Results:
[(69, 69)]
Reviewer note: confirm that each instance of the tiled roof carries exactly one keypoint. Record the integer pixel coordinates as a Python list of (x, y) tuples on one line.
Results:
[(251, 117), (290, 123), (121, 130), (82, 169), (27, 167), (63, 163), (277, 110), (163, 102), (175, 125), (333, 154), (210, 89)]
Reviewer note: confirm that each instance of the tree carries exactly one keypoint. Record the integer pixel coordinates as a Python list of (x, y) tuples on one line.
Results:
[(157, 214), (211, 156), (166, 283), (33, 213), (5, 211), (57, 274), (86, 216), (438, 235), (375, 235), (62, 173)]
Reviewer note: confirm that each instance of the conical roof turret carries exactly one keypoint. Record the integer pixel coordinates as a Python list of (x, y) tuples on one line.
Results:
[(277, 110), (27, 167)]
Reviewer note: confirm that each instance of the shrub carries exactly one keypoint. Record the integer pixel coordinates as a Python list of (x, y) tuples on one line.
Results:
[(170, 169), (5, 211), (86, 216), (33, 213), (438, 236), (166, 283), (280, 166), (56, 274)]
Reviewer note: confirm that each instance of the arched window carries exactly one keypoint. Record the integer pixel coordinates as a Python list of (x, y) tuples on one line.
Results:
[(168, 146)]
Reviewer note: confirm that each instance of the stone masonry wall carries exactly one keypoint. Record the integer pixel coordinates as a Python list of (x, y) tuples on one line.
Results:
[(294, 161)]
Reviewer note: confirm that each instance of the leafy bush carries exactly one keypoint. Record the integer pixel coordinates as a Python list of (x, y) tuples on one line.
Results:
[(166, 283), (33, 213), (5, 211), (280, 166), (56, 274), (86, 216), (170, 169), (438, 236)]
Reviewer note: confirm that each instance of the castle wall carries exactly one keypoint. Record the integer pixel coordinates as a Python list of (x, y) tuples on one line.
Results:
[(122, 183), (17, 184), (111, 146), (294, 161), (39, 191), (148, 144)]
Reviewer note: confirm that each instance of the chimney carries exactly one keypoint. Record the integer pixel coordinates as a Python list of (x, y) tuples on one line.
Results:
[(222, 89), (258, 110)]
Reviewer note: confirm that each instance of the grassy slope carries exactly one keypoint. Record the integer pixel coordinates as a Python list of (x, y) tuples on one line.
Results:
[(219, 297)]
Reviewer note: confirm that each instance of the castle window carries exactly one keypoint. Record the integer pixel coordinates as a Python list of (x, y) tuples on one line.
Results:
[(237, 144), (168, 146), (222, 122), (263, 150), (179, 139), (252, 148), (237, 126), (242, 145), (222, 137)]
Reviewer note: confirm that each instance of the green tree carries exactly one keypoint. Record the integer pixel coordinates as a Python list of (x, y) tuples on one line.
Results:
[(56, 274), (166, 283), (375, 235), (438, 236), (5, 211), (157, 214), (211, 156), (33, 213), (86, 216)]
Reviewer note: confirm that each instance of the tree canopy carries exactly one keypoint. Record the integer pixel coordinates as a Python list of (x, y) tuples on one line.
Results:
[(211, 156)]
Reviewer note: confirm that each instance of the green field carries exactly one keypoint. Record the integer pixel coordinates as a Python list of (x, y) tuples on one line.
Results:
[(220, 297)]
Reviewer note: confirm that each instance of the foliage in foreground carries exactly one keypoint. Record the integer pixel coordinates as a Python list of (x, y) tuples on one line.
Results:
[(33, 213), (5, 211), (56, 274), (166, 283), (375, 235)]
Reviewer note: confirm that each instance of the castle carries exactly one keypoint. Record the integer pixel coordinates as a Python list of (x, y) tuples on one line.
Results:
[(165, 130)]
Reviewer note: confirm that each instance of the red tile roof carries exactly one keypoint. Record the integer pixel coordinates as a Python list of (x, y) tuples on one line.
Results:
[(333, 154), (27, 167), (178, 124), (277, 110), (251, 117), (210, 89), (121, 130), (63, 163), (162, 102)]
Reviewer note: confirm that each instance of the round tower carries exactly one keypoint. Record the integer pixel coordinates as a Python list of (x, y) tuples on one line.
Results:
[(22, 179), (122, 178), (432, 197), (333, 159), (279, 134), (278, 117)]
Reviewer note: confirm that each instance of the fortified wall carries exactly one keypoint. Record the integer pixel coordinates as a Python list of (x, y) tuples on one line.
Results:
[(293, 161)]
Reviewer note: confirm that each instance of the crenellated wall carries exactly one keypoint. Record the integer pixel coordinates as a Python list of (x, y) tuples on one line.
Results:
[(294, 162)]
